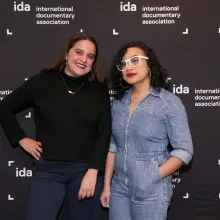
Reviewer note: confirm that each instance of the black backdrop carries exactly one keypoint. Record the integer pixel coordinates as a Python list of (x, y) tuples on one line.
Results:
[(185, 35)]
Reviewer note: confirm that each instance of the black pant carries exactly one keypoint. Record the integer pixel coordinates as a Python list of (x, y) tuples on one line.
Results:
[(58, 182)]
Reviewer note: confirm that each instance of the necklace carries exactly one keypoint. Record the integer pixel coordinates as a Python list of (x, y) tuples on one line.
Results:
[(71, 92)]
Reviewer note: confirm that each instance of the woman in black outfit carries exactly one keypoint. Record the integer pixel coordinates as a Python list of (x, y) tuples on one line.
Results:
[(73, 127)]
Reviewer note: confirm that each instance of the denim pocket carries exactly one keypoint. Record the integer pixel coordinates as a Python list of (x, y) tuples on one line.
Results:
[(158, 170), (143, 123), (118, 122), (147, 181)]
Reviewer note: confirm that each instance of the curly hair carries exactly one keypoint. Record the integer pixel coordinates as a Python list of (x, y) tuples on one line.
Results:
[(158, 73)]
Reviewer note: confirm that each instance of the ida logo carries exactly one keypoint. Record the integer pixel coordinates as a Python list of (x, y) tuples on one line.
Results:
[(23, 172), (21, 7), (127, 7), (180, 89)]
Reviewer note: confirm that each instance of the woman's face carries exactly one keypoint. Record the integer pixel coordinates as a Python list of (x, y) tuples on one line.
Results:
[(131, 74), (80, 58)]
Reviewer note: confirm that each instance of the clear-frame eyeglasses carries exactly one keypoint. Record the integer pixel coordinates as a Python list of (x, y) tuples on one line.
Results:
[(133, 61)]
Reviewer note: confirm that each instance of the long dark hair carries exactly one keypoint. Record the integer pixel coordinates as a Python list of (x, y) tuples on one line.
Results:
[(158, 73), (97, 72)]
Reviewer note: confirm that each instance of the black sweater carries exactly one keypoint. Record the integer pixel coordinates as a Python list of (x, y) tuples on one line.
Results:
[(70, 127)]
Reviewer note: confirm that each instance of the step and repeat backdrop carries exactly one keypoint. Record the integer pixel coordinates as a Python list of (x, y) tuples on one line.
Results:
[(186, 37)]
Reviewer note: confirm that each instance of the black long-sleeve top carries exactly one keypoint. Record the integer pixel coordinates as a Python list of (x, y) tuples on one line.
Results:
[(70, 127)]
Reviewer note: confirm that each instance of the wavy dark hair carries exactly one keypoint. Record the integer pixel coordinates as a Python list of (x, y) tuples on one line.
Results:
[(158, 73), (96, 74)]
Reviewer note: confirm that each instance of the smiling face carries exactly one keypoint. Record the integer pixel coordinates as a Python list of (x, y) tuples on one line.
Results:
[(80, 58), (131, 74)]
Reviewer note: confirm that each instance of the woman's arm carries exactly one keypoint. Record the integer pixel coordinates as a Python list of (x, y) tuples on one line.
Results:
[(20, 99), (109, 169), (170, 166), (102, 140), (100, 151), (179, 135)]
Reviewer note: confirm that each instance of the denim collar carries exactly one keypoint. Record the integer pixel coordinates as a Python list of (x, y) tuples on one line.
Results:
[(155, 92)]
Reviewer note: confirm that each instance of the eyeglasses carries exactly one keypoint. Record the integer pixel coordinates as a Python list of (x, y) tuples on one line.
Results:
[(133, 61)]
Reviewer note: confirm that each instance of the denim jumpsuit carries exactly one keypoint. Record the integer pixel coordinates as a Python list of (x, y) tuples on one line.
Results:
[(138, 192)]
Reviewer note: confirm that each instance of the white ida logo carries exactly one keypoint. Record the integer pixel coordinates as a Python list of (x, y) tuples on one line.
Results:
[(21, 7), (23, 172), (180, 89), (127, 7)]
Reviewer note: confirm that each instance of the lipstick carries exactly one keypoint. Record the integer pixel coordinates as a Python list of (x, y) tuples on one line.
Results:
[(131, 74)]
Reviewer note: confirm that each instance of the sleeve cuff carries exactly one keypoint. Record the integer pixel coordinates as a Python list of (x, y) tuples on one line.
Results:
[(112, 148), (183, 155)]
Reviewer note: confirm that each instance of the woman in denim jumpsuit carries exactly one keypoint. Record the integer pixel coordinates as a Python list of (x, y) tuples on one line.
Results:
[(145, 118)]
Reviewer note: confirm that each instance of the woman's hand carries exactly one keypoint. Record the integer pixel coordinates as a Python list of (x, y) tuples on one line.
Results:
[(32, 147), (88, 184), (105, 197), (170, 166)]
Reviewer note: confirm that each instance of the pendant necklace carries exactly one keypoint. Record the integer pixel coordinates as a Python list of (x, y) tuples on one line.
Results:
[(71, 92)]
